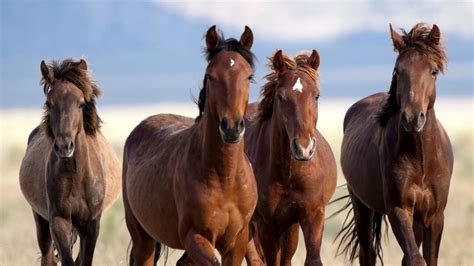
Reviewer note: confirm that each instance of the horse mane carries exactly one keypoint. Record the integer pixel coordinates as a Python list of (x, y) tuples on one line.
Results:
[(267, 93), (70, 71), (417, 39), (230, 44)]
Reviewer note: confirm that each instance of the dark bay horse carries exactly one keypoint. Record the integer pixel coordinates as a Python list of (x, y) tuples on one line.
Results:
[(187, 182), (69, 174), (397, 158), (293, 163)]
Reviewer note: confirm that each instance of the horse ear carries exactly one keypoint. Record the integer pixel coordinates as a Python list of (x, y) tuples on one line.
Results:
[(82, 64), (435, 34), (212, 38), (247, 38), (278, 61), (397, 40), (313, 60), (47, 73)]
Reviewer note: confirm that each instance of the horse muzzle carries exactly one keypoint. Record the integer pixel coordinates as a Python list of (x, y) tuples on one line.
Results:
[(64, 147), (413, 123), (301, 153), (231, 134)]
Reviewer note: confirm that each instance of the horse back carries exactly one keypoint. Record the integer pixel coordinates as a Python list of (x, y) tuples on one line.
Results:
[(153, 131)]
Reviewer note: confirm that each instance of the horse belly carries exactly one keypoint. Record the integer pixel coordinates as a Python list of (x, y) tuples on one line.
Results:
[(361, 167), (32, 176)]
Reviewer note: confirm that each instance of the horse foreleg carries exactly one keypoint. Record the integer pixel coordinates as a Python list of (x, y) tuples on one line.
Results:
[(269, 237), (312, 224), (61, 229), (254, 253), (236, 254), (401, 221), (289, 243), (43, 236), (199, 249), (432, 240), (88, 234)]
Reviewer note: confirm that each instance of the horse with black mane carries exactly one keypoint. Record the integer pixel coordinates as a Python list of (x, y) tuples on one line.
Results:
[(187, 182), (70, 175), (397, 158)]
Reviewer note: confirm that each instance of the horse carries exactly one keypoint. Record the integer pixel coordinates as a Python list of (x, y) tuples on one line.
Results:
[(293, 163), (70, 174), (397, 158), (187, 183)]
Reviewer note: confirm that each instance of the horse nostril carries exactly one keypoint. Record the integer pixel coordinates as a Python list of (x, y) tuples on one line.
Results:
[(56, 148), (224, 123), (422, 116), (404, 119), (240, 124), (70, 145)]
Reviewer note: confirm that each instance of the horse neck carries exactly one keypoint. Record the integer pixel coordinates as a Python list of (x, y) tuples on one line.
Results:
[(224, 159), (280, 153)]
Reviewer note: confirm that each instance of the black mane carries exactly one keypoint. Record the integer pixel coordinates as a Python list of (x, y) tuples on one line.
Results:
[(230, 44), (390, 106)]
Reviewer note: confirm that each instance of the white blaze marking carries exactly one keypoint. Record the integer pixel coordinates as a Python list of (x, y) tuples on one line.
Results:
[(298, 86), (232, 62)]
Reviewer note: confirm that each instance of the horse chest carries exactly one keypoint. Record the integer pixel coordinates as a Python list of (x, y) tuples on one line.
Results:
[(277, 201), (82, 199)]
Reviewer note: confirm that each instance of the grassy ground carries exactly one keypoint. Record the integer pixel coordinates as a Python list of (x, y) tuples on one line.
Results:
[(17, 233)]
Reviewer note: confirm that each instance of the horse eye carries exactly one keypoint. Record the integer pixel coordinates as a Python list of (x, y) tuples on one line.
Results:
[(434, 72), (47, 105), (81, 105), (250, 77), (208, 77), (317, 98), (395, 72), (279, 97)]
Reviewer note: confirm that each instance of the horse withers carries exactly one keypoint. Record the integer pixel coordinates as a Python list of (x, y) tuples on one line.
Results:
[(397, 158), (187, 182), (69, 174), (293, 163)]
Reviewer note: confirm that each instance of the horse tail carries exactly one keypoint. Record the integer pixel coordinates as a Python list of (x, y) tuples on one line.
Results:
[(377, 233), (348, 243), (159, 250)]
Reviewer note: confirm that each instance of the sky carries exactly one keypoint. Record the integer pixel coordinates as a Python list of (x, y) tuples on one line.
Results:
[(144, 52)]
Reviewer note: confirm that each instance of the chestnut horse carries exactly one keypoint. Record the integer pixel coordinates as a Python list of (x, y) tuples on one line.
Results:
[(69, 174), (293, 163), (397, 158), (187, 182)]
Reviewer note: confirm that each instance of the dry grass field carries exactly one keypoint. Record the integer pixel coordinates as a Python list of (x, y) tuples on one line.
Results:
[(17, 232)]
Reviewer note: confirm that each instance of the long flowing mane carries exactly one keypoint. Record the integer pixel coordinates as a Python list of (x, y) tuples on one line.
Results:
[(267, 93), (417, 39), (230, 44), (70, 71)]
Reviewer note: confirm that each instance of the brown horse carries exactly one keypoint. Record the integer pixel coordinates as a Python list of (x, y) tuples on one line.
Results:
[(69, 174), (293, 163), (187, 182), (397, 158)]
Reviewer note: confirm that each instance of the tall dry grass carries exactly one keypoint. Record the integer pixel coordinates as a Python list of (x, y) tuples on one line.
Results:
[(17, 232)]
